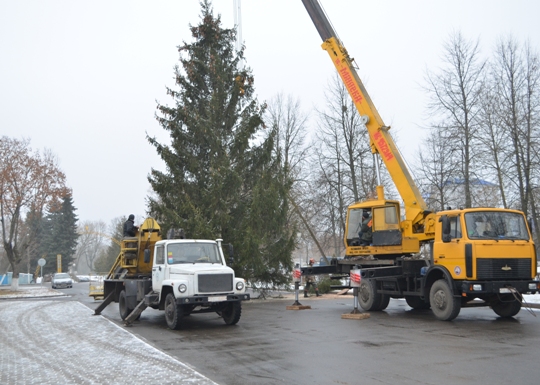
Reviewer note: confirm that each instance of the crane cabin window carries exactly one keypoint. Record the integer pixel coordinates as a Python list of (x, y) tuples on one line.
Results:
[(384, 225), (385, 218), (354, 222)]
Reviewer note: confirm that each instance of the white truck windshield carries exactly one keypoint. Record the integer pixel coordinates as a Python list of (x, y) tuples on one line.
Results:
[(195, 252)]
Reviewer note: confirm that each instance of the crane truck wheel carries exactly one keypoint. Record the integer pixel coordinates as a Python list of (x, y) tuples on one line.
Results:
[(368, 297), (173, 312), (444, 305), (123, 306), (232, 312), (507, 308)]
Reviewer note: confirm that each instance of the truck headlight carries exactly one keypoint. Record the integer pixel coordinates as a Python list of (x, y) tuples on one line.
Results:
[(239, 285), (477, 287), (182, 288), (532, 286)]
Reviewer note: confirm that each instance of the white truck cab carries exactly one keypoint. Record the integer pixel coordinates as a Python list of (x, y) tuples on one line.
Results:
[(191, 276)]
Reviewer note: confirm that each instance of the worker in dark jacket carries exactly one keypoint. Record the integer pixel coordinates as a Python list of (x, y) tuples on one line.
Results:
[(366, 234), (129, 227)]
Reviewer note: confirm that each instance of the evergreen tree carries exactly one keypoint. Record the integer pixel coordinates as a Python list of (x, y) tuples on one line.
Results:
[(221, 179), (59, 234)]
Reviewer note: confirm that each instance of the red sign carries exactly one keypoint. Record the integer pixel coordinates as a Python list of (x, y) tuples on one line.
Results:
[(351, 84), (384, 149)]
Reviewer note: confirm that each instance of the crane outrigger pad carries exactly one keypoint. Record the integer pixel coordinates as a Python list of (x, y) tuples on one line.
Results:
[(298, 307), (355, 316)]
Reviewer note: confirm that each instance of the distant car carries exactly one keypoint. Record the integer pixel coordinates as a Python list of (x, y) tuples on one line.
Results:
[(61, 280), (83, 278)]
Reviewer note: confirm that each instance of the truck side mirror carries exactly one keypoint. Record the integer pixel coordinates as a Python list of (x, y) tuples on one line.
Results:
[(147, 256), (446, 237)]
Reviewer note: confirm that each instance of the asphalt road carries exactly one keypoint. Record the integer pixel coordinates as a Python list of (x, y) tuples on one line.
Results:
[(272, 345)]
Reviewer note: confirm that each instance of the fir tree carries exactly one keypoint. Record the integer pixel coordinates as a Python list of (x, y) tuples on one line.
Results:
[(59, 234), (221, 179)]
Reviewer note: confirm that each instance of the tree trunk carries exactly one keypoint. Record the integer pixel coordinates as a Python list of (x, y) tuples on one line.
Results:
[(311, 233), (15, 277)]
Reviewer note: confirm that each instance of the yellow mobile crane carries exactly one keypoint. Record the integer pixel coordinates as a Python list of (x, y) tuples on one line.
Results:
[(484, 253)]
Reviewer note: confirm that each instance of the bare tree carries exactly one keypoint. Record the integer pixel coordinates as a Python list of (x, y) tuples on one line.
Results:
[(455, 95), (494, 141), (509, 80), (93, 240), (290, 122), (531, 107), (437, 165), (515, 75), (344, 149), (329, 214), (344, 156), (109, 255), (29, 182), (285, 116)]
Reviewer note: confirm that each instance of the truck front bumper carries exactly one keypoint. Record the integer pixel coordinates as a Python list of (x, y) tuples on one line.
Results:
[(499, 287), (210, 299)]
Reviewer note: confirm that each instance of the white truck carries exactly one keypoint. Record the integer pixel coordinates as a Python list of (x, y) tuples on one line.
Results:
[(180, 276)]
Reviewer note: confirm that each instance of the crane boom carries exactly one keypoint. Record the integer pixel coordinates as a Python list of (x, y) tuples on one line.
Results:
[(381, 141)]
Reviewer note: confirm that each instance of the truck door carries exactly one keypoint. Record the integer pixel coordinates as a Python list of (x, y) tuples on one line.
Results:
[(158, 269), (451, 254)]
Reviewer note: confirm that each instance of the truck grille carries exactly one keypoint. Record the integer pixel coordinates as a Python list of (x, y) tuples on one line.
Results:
[(210, 283), (506, 268)]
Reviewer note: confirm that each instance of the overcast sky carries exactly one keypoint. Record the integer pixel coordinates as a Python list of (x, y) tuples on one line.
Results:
[(82, 78)]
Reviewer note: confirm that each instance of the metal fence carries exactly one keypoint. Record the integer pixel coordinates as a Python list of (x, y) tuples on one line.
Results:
[(24, 279)]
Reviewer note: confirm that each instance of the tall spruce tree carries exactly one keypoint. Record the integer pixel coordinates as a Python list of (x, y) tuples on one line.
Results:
[(59, 234), (222, 179)]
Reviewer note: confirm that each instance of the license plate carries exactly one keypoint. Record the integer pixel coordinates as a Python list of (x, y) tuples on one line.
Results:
[(504, 290), (220, 298)]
